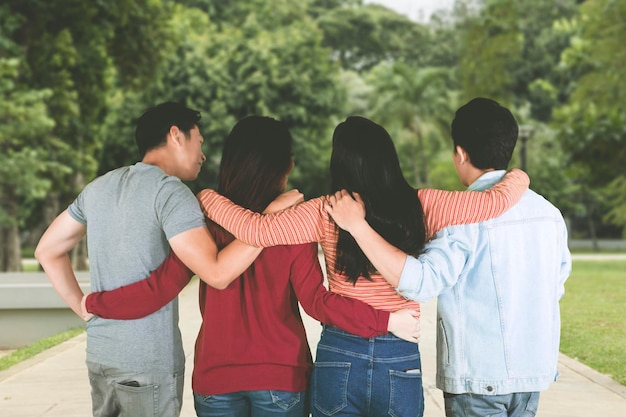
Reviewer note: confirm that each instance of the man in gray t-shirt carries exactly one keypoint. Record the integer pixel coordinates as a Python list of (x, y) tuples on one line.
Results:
[(132, 216), (127, 240)]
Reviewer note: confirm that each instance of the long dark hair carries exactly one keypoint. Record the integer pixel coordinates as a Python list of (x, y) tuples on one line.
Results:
[(364, 160), (255, 160)]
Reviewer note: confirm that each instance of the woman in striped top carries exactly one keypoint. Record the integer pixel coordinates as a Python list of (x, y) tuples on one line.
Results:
[(353, 375)]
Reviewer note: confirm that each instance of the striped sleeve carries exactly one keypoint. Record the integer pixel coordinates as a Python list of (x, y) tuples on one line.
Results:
[(302, 223), (447, 208)]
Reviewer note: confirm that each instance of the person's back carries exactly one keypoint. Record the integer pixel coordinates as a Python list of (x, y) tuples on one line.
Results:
[(498, 338), (251, 328), (499, 325), (129, 217)]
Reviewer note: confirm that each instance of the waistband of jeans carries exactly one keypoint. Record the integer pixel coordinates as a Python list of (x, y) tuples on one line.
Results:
[(337, 330)]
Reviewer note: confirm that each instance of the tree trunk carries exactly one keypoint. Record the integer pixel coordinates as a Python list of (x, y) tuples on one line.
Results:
[(11, 248), (2, 255), (591, 224), (49, 211)]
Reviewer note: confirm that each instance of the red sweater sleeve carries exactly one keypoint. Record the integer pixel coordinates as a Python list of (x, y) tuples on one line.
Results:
[(349, 314), (144, 297)]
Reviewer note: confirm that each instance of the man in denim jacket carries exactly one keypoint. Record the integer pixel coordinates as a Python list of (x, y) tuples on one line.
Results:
[(499, 282)]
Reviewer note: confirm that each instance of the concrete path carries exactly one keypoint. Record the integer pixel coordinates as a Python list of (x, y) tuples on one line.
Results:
[(54, 383)]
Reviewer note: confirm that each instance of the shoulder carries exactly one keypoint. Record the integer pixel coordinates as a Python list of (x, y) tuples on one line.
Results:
[(113, 176), (461, 231), (537, 202)]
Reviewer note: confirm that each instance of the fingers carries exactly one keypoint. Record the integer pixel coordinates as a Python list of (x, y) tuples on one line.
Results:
[(338, 195), (336, 198)]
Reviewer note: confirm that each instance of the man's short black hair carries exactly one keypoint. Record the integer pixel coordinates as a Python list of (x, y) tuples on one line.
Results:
[(155, 123), (487, 131)]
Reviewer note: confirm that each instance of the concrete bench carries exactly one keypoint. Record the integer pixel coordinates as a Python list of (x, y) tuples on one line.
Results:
[(30, 309)]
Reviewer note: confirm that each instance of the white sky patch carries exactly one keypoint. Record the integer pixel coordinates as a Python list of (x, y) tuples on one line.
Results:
[(418, 10)]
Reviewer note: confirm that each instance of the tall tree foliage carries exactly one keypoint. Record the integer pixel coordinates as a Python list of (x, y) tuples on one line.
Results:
[(23, 164), (270, 62), (510, 50), (70, 52), (418, 102), (592, 123), (362, 37)]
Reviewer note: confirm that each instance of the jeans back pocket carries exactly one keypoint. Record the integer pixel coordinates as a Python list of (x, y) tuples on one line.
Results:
[(330, 386)]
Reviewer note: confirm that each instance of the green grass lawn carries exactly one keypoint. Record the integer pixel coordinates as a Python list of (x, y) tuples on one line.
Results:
[(593, 316), (39, 346)]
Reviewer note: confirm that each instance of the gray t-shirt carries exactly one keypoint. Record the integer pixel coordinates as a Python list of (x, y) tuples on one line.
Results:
[(130, 214)]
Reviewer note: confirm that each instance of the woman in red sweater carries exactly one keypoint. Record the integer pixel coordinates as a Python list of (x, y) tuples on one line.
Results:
[(252, 357)]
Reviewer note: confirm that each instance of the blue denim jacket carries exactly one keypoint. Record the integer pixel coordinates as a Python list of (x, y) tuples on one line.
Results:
[(499, 283)]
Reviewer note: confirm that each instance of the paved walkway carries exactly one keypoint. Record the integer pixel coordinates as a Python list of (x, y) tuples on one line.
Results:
[(54, 383)]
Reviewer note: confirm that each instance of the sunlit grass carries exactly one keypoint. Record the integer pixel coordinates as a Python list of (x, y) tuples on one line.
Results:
[(593, 313), (37, 347)]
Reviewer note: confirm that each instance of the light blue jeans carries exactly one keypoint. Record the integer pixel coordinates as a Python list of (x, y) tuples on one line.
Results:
[(265, 403), (119, 393), (522, 404), (379, 376)]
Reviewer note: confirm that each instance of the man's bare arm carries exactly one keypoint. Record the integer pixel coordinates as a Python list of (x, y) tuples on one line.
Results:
[(197, 249), (52, 253)]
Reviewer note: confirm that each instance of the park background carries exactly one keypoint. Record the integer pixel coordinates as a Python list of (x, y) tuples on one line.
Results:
[(74, 75)]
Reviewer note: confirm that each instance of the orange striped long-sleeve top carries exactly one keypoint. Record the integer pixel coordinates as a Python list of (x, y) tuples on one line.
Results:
[(309, 222)]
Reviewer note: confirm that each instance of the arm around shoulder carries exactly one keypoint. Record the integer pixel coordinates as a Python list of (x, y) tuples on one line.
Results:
[(446, 208), (197, 249), (445, 259), (302, 223)]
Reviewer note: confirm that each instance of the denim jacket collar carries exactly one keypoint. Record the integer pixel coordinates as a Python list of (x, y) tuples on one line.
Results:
[(487, 180)]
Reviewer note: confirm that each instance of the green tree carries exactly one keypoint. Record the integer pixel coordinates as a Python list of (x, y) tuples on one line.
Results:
[(23, 164), (364, 36), (417, 101), (510, 49), (592, 123), (74, 53), (272, 63)]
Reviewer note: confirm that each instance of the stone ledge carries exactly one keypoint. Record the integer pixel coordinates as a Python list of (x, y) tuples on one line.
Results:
[(26, 290), (30, 308)]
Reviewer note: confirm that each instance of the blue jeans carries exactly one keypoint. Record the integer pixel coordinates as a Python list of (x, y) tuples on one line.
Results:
[(264, 403), (380, 376), (522, 404), (119, 393)]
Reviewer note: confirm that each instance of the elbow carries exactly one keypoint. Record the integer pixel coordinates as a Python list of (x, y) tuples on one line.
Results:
[(218, 284), (39, 254)]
